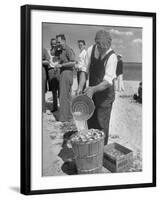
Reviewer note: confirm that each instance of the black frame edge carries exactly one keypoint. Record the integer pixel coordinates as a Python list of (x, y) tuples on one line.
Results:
[(25, 142), (89, 189), (154, 100), (89, 10)]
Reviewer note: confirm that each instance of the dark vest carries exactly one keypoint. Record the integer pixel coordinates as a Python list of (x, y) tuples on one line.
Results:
[(96, 75)]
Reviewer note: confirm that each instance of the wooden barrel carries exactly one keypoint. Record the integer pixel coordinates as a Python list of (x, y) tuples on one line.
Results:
[(89, 156)]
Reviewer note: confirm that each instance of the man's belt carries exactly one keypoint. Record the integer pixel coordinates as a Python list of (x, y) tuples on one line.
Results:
[(66, 68)]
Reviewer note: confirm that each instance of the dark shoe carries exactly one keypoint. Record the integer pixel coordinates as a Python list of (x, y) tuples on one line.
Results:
[(54, 109)]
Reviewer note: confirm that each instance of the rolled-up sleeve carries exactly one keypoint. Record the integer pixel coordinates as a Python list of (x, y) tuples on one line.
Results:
[(110, 69), (87, 60)]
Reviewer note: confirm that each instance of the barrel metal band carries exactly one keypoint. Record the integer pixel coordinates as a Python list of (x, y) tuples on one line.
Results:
[(89, 170), (90, 156)]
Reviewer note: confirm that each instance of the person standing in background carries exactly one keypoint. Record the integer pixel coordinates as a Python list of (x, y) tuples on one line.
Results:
[(119, 72), (81, 59), (101, 64), (45, 64), (53, 75), (66, 65)]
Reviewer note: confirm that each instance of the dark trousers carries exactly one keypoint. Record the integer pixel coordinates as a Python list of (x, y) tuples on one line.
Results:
[(44, 79), (100, 120), (66, 81), (54, 86)]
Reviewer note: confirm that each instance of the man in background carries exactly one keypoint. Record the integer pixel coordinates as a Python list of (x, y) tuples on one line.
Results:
[(66, 65), (53, 74)]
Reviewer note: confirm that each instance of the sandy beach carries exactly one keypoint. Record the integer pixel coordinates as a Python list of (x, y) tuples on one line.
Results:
[(125, 129)]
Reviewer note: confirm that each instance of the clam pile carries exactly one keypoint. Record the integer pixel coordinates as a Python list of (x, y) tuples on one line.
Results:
[(85, 136), (115, 153)]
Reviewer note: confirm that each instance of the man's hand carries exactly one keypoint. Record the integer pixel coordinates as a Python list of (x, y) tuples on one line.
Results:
[(53, 64), (89, 91), (78, 91), (58, 66)]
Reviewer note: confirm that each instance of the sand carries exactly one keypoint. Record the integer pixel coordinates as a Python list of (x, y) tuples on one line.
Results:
[(125, 129)]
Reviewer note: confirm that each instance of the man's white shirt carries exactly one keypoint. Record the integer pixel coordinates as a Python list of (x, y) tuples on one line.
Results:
[(110, 66), (81, 59)]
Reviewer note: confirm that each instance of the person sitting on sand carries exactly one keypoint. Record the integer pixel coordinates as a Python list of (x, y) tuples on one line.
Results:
[(138, 97)]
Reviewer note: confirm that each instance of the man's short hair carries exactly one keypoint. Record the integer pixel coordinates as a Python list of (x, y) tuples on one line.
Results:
[(62, 36), (103, 35), (82, 41)]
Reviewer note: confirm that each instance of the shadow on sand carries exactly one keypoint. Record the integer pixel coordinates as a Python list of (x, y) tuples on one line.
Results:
[(15, 189), (49, 105), (67, 155)]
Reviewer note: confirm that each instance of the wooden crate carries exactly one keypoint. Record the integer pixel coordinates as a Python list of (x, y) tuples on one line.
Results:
[(114, 163)]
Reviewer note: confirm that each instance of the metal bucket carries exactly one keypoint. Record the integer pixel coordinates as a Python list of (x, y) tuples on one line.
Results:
[(82, 107)]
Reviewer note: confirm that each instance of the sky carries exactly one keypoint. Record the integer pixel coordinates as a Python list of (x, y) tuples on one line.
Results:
[(126, 41)]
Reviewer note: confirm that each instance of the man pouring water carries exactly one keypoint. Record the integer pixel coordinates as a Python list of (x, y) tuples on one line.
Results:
[(100, 64)]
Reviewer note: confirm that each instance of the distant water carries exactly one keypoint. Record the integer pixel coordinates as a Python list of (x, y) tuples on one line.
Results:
[(132, 71)]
